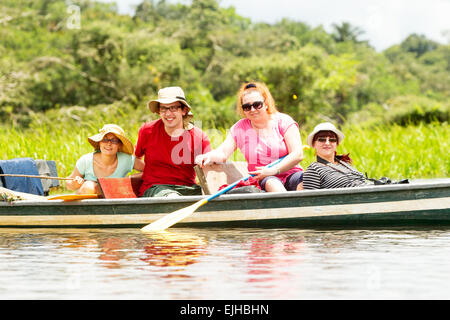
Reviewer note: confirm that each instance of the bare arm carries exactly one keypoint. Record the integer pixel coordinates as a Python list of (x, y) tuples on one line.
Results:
[(295, 149), (139, 164), (221, 154), (77, 181)]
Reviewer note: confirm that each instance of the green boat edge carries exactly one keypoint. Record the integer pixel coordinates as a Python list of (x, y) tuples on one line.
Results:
[(425, 203)]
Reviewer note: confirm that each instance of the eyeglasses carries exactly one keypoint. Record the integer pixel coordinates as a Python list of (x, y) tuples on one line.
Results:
[(171, 108), (113, 140), (256, 105), (324, 139)]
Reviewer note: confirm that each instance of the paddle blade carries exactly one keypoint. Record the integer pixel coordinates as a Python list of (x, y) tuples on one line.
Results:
[(74, 197), (172, 218)]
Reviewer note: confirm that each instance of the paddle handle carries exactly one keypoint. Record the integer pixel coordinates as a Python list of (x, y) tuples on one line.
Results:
[(231, 186), (31, 176)]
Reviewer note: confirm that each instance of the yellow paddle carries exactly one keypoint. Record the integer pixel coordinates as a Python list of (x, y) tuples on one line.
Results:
[(176, 216), (74, 197)]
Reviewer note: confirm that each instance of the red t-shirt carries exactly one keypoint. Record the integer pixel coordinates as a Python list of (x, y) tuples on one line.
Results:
[(169, 160)]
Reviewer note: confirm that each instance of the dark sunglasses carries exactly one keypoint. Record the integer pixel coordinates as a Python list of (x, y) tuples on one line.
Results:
[(113, 140), (256, 105), (324, 139)]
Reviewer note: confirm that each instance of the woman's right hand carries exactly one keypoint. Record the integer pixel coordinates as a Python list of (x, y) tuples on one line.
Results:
[(203, 159), (78, 181)]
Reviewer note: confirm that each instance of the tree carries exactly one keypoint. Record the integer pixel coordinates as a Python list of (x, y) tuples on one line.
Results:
[(418, 44), (346, 32)]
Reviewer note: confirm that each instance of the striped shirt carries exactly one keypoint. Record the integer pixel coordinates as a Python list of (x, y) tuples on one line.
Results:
[(325, 175)]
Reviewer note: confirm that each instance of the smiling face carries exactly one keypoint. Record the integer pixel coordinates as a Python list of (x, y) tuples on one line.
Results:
[(254, 114), (172, 115), (325, 143), (110, 144)]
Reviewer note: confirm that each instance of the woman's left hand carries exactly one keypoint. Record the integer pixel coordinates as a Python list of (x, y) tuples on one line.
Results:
[(262, 172)]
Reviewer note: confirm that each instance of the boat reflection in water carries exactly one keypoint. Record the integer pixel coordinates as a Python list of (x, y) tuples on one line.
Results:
[(173, 249), (217, 263), (269, 257)]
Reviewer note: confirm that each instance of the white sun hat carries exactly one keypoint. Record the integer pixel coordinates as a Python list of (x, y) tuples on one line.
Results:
[(325, 126)]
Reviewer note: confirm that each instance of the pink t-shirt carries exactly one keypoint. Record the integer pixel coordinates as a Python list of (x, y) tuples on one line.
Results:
[(260, 150)]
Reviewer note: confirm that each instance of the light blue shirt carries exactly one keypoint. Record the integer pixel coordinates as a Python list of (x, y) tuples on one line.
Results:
[(125, 164)]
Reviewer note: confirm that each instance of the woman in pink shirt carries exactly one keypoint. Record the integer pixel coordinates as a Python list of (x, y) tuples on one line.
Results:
[(263, 136)]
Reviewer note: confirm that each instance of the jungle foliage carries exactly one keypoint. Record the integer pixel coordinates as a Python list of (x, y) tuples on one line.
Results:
[(57, 54)]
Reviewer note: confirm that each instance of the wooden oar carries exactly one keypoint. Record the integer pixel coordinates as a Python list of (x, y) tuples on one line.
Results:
[(31, 176), (74, 197), (176, 216)]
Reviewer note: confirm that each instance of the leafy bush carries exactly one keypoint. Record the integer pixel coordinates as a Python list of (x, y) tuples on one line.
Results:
[(407, 110), (112, 58)]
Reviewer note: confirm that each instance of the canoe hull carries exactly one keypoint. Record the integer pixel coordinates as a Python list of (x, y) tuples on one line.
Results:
[(391, 205)]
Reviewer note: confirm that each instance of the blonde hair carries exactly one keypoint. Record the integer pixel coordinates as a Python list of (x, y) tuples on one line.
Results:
[(262, 89)]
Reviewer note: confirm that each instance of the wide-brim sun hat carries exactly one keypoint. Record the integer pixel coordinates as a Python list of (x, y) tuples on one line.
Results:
[(166, 96), (170, 95), (325, 126), (126, 147)]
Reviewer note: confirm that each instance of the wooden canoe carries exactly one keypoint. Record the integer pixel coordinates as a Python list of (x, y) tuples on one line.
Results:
[(414, 204)]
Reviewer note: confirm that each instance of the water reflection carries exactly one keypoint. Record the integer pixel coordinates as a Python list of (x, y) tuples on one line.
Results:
[(161, 249), (112, 251), (223, 264), (268, 258), (173, 249)]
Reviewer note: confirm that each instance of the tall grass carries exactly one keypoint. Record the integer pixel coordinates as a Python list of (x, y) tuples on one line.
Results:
[(415, 151), (61, 135)]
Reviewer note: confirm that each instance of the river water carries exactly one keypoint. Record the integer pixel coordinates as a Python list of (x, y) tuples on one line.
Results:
[(224, 264)]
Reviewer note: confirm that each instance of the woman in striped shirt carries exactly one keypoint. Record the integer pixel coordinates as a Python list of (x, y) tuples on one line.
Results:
[(330, 170)]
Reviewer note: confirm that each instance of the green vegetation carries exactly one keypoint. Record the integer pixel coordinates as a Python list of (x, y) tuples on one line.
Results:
[(64, 75), (414, 151)]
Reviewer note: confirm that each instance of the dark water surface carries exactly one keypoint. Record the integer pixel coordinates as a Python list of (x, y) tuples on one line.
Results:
[(224, 264)]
